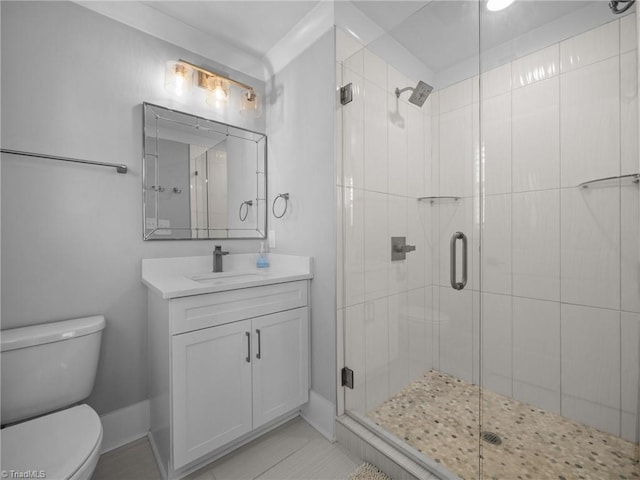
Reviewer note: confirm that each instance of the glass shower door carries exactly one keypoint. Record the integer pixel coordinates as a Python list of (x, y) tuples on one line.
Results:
[(411, 326), (559, 228)]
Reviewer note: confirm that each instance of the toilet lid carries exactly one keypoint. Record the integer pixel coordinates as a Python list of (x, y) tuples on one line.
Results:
[(56, 444)]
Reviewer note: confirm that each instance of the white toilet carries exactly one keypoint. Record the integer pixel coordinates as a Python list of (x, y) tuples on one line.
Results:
[(49, 368)]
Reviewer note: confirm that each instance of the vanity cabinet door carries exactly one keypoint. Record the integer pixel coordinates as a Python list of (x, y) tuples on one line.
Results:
[(280, 364), (211, 376)]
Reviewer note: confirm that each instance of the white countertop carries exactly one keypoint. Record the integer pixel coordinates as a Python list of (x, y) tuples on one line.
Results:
[(170, 277)]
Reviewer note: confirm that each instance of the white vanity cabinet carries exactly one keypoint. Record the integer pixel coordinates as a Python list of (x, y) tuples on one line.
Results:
[(224, 366)]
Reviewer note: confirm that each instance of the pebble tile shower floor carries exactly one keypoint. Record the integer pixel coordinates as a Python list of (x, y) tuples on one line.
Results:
[(438, 415)]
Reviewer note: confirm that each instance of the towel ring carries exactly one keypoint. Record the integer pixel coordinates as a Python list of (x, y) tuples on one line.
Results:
[(248, 204), (284, 196)]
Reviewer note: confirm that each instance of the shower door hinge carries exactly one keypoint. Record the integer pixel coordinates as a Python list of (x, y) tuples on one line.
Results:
[(346, 94), (347, 377)]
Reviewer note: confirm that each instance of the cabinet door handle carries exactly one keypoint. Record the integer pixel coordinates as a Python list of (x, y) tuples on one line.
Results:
[(248, 359), (258, 332)]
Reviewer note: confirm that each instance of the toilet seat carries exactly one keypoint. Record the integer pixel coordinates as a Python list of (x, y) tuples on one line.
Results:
[(63, 445)]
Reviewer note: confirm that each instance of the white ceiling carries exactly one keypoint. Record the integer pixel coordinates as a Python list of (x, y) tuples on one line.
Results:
[(440, 35), (254, 26)]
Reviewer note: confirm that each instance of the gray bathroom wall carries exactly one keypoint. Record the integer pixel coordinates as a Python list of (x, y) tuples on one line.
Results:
[(300, 126), (72, 84)]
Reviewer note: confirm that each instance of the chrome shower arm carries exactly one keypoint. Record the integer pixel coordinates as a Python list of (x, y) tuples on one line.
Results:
[(405, 89)]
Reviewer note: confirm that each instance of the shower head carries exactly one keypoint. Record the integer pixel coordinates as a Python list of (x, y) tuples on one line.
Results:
[(419, 93)]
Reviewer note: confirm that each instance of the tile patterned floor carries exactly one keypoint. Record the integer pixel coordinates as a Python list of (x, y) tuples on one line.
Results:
[(293, 451), (438, 415)]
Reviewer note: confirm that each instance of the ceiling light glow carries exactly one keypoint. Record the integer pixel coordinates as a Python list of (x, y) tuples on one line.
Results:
[(497, 5)]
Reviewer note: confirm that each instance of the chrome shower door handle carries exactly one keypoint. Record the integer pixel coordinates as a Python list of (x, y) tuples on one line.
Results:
[(452, 246)]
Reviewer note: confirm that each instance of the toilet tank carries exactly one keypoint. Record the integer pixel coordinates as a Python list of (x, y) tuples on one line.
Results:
[(48, 367)]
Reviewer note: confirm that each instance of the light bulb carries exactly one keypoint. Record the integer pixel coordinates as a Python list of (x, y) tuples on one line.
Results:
[(250, 104), (217, 92), (497, 5), (177, 78)]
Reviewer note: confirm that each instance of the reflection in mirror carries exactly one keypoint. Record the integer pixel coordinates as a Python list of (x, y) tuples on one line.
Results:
[(202, 179)]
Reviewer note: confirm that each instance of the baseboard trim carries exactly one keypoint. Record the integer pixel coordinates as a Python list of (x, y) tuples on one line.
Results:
[(124, 425), (320, 413)]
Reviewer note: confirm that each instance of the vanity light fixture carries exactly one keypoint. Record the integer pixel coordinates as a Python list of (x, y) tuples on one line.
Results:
[(497, 5), (180, 74)]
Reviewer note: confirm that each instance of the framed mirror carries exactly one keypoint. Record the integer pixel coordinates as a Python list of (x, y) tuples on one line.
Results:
[(202, 179)]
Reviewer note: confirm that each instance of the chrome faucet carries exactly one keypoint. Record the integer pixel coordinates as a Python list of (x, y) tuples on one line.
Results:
[(217, 258)]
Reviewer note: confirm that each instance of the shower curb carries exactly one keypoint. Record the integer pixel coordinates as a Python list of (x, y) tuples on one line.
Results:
[(371, 448)]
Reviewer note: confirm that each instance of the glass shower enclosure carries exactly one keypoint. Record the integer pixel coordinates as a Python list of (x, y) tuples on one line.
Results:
[(506, 344)]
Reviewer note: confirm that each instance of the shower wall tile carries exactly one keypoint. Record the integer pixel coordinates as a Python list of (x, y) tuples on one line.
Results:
[(628, 426), (398, 342), (433, 177), (376, 325), (353, 133), (536, 244), (375, 69), (628, 33), (590, 122), (475, 89), (353, 234), (474, 245), (630, 371), (346, 45), (496, 343), (397, 157), (340, 257), (590, 366), (436, 236), (476, 336), (495, 82), (376, 245), (354, 338), (456, 334), (536, 136), (397, 227), (456, 96), (496, 245), (416, 161), (629, 112), (596, 415), (434, 103), (427, 161), (496, 144), (337, 118), (454, 217), (375, 137), (477, 154), (418, 226), (355, 62), (590, 246), (419, 342), (590, 47), (395, 79), (629, 241), (432, 304), (538, 66), (536, 353), (455, 152)]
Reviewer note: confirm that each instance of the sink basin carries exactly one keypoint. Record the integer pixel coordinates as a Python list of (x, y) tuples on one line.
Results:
[(223, 277)]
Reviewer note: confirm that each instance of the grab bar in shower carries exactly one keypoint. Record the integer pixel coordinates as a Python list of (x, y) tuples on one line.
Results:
[(452, 246), (121, 168), (634, 177)]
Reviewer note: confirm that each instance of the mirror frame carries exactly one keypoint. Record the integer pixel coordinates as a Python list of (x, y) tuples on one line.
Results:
[(261, 203)]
